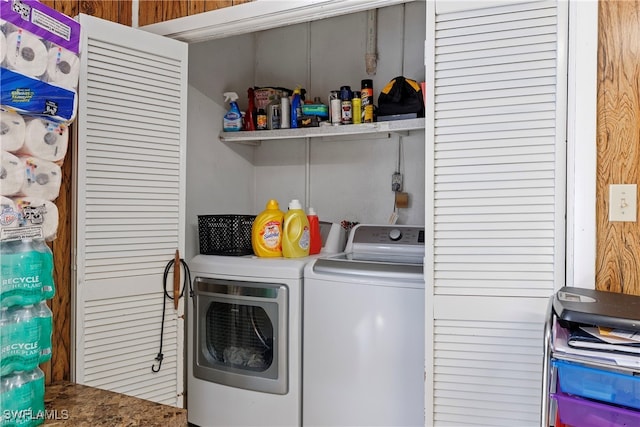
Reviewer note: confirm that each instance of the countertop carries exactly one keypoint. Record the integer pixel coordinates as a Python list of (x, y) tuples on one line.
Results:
[(69, 404)]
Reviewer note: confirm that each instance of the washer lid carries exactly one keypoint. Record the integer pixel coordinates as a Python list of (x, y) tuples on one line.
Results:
[(347, 265)]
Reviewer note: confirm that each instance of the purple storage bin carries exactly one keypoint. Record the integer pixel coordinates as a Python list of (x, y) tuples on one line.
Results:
[(579, 412)]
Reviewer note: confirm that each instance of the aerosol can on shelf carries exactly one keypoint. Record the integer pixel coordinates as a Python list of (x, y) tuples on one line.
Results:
[(295, 232), (266, 232)]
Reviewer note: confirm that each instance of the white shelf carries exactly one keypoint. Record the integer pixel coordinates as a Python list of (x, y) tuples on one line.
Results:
[(323, 131)]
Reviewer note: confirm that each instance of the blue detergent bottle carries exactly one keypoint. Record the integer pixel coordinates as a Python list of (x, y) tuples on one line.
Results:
[(296, 107), (232, 121)]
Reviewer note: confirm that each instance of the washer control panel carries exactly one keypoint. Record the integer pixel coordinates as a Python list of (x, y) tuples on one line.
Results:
[(391, 243), (388, 234)]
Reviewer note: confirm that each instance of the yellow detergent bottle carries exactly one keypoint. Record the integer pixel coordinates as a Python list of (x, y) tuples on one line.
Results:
[(266, 232), (295, 232)]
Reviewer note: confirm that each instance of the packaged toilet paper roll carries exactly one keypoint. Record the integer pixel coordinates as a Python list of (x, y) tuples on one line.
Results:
[(26, 54), (63, 67), (12, 131), (45, 140), (12, 174), (39, 212), (42, 178), (3, 46), (6, 203)]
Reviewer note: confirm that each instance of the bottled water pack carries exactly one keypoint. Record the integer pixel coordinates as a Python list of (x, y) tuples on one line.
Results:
[(26, 272), (22, 397), (25, 338)]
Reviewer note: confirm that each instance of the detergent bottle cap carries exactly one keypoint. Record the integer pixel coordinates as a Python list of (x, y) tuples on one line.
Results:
[(312, 211), (230, 96), (273, 204), (295, 204)]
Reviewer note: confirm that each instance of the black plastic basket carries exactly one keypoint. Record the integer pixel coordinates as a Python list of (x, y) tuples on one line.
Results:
[(225, 234)]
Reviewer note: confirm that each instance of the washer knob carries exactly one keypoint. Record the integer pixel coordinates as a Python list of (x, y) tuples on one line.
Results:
[(395, 234)]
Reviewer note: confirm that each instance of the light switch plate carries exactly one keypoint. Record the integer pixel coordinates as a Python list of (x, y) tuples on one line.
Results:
[(623, 202)]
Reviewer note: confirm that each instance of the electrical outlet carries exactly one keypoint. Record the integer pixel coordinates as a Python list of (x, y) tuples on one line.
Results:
[(396, 182)]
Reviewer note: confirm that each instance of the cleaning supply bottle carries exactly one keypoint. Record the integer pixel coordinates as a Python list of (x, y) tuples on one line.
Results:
[(232, 121), (295, 232), (250, 115), (315, 239), (266, 232), (296, 107)]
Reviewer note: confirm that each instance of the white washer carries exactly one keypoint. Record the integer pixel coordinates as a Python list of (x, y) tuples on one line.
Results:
[(363, 353), (244, 341)]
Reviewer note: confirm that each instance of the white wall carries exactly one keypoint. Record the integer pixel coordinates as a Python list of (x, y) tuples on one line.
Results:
[(348, 179)]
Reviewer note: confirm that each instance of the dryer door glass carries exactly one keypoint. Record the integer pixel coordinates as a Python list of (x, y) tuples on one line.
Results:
[(239, 335)]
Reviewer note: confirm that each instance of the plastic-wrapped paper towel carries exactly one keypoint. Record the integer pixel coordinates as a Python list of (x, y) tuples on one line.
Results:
[(12, 174), (26, 54), (30, 96), (42, 179), (12, 131), (45, 140), (39, 212)]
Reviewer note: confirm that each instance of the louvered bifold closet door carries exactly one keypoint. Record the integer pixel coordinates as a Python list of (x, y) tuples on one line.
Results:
[(130, 209), (498, 207)]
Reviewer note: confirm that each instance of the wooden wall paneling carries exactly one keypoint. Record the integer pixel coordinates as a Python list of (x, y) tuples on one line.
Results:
[(195, 7), (116, 11), (618, 142), (150, 12), (216, 4), (125, 12), (68, 7), (174, 9), (61, 302)]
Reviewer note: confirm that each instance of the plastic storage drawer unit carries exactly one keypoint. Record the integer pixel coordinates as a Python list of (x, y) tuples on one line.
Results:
[(576, 411), (599, 384)]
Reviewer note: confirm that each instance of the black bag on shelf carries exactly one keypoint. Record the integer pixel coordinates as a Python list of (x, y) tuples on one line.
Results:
[(401, 96)]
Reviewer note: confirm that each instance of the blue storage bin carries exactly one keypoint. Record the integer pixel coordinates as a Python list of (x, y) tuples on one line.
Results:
[(598, 384)]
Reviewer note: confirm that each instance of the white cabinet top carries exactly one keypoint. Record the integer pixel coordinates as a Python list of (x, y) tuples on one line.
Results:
[(258, 15)]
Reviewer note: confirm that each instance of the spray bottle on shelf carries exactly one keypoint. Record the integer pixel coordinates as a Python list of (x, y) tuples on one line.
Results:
[(315, 239), (232, 121)]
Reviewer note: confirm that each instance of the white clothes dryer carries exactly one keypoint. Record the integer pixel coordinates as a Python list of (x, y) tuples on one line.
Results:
[(244, 341), (363, 353)]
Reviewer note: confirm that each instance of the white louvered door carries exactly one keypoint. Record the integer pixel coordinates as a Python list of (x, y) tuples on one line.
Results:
[(129, 220), (496, 175)]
